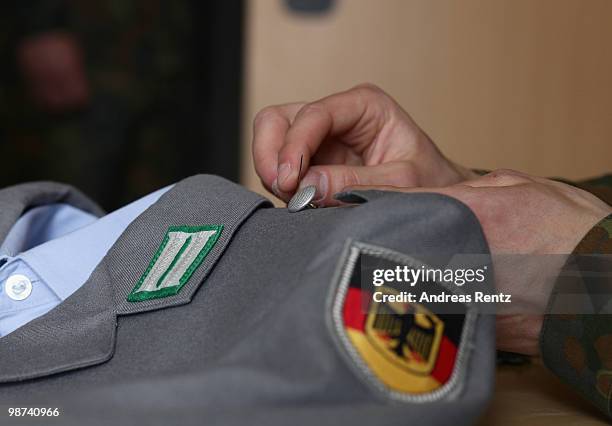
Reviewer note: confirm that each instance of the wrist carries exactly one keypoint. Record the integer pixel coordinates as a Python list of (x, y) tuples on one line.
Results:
[(519, 333)]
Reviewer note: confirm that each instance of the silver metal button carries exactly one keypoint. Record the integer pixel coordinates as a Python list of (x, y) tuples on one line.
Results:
[(18, 287), (302, 199)]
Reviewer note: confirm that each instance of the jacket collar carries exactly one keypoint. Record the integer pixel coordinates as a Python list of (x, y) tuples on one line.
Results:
[(81, 331), (15, 200)]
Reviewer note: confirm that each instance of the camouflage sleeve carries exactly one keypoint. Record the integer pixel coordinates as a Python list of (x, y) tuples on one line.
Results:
[(576, 338)]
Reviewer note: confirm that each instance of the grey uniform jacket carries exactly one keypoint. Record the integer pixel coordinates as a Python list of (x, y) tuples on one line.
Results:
[(258, 331)]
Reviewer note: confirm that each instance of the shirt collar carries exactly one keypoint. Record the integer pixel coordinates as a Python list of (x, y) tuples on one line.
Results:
[(41, 224), (66, 262)]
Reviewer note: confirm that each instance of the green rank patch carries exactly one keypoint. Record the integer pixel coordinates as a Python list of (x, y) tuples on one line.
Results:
[(180, 253)]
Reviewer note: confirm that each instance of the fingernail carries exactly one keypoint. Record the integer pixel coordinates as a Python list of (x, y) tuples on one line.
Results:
[(275, 187), (284, 171), (319, 180)]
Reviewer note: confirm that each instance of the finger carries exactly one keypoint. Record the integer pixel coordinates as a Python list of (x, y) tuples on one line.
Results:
[(334, 115), (392, 188), (471, 197), (459, 192), (334, 178), (269, 129)]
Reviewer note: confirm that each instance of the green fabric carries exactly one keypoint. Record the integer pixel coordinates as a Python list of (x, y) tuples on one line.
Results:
[(139, 296)]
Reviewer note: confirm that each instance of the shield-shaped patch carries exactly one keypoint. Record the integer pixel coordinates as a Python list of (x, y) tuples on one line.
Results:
[(409, 350)]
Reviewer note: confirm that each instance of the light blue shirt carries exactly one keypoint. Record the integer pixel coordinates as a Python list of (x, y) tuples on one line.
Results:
[(49, 254)]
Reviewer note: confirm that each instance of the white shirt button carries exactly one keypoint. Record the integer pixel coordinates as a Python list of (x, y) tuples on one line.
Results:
[(18, 287)]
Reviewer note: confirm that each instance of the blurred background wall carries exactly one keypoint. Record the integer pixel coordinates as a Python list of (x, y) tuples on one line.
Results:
[(120, 97), (524, 84)]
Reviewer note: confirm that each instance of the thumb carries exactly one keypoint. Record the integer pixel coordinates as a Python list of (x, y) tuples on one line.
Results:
[(331, 179)]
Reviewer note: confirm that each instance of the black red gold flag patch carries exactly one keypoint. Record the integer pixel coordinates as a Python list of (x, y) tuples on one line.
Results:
[(409, 350)]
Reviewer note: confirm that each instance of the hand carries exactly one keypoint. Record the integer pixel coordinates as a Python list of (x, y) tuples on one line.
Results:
[(522, 214), (52, 65), (358, 137)]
